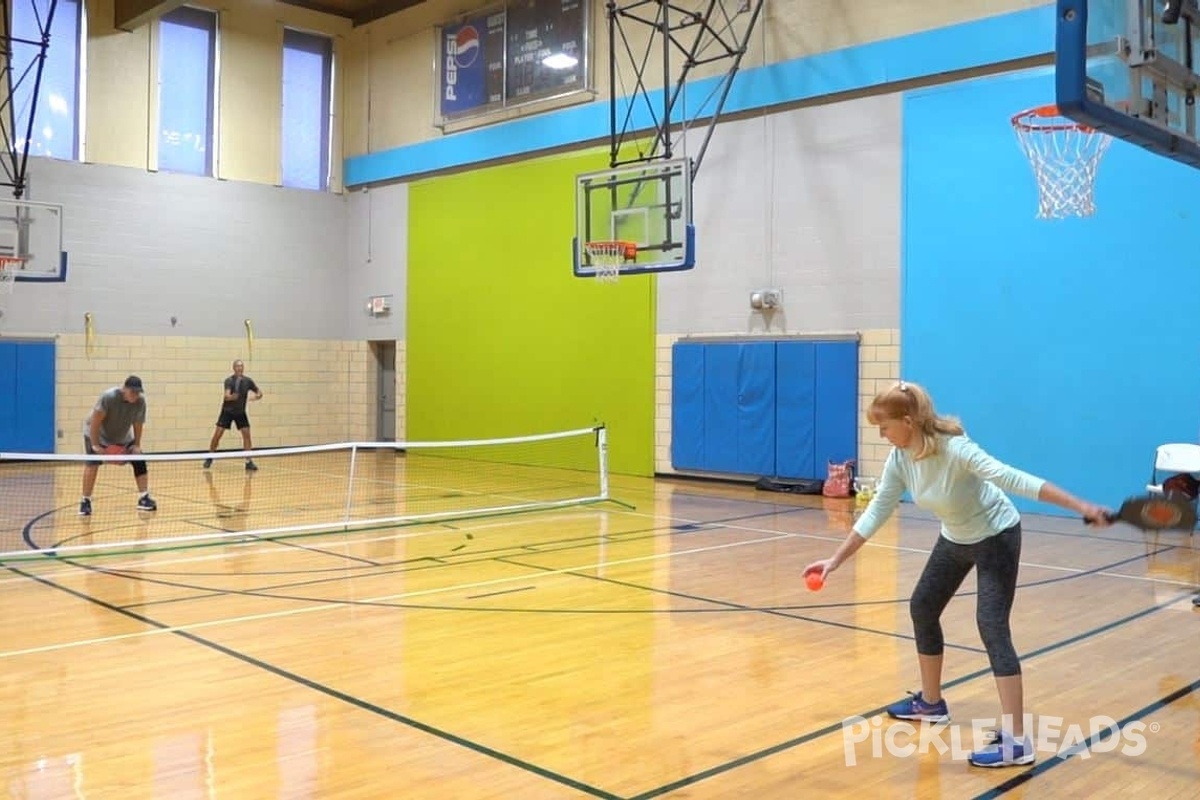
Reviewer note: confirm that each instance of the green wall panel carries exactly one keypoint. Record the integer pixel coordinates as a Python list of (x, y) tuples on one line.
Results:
[(502, 339)]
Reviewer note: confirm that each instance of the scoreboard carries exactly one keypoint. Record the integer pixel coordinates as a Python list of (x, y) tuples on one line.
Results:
[(507, 56)]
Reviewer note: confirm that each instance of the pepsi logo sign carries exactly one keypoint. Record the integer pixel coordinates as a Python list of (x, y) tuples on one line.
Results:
[(462, 50)]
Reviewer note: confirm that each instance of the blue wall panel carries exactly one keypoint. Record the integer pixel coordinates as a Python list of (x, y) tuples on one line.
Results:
[(778, 408), (836, 403), (27, 397), (8, 396), (721, 368), (795, 421), (687, 406), (1051, 340), (35, 400), (756, 409)]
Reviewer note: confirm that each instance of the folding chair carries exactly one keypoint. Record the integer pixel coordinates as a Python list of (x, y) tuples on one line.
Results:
[(1171, 459)]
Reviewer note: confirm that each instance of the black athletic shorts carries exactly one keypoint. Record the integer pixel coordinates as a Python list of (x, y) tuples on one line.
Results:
[(228, 418)]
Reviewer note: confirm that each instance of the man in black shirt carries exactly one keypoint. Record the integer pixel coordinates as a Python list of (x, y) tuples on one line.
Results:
[(239, 388)]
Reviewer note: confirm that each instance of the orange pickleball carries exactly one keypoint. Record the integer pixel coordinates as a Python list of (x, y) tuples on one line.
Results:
[(814, 581)]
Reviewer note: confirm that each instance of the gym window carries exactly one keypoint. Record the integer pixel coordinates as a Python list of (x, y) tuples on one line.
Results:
[(187, 72), (307, 93), (55, 132)]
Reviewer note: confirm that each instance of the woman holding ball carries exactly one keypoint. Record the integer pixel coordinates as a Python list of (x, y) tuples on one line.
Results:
[(948, 474)]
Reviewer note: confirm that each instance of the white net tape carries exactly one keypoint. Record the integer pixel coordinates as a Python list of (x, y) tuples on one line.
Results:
[(1065, 157), (607, 258)]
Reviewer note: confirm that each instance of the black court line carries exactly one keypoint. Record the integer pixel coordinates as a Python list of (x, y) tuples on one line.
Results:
[(504, 591), (267, 592), (784, 611), (1058, 759), (329, 691), (386, 567), (677, 784), (1030, 585), (263, 592), (732, 606), (837, 726), (204, 592), (319, 551)]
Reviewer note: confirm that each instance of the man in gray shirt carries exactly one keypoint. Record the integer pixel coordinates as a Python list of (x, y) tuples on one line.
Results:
[(116, 419)]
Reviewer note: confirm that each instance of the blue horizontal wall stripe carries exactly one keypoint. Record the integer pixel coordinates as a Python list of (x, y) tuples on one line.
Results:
[(956, 47)]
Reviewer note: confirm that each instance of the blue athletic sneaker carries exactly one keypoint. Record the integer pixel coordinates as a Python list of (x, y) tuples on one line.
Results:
[(916, 708), (1002, 750)]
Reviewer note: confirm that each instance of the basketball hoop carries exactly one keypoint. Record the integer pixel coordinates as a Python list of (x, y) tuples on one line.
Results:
[(9, 267), (607, 258), (1065, 156)]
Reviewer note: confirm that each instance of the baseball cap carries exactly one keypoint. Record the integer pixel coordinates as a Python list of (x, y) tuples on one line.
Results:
[(135, 383)]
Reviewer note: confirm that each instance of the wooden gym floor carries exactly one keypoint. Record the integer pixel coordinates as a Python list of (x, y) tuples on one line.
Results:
[(666, 651)]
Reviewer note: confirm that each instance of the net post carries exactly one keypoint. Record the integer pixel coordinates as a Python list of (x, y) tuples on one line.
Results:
[(602, 447), (350, 483)]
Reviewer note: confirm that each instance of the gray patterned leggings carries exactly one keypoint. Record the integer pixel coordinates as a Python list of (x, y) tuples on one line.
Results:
[(996, 559)]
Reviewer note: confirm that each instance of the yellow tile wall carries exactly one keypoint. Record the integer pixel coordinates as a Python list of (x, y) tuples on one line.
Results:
[(313, 391), (878, 365), (401, 388), (878, 368)]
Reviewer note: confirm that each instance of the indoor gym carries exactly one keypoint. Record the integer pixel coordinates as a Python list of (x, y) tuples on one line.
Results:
[(456, 426)]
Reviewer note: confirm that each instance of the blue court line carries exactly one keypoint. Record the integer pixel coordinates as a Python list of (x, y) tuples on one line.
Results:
[(968, 45)]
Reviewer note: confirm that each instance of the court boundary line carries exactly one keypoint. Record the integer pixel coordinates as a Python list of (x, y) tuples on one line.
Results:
[(336, 694), (326, 605), (1057, 759), (787, 612), (725, 522), (260, 546), (185, 632), (330, 606), (819, 733)]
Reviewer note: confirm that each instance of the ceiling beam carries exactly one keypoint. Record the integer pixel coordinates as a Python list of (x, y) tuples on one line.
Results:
[(323, 8), (382, 8), (130, 15)]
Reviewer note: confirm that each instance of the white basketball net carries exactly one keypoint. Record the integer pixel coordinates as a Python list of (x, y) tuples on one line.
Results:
[(607, 258), (8, 274), (8, 279), (1065, 156)]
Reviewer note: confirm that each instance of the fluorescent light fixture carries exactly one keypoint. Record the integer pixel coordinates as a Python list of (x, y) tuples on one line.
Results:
[(560, 61)]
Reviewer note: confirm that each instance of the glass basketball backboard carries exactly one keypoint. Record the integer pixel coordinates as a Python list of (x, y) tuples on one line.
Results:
[(647, 206), (33, 232), (1126, 68)]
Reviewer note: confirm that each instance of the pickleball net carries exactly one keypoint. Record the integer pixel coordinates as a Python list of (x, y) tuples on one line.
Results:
[(294, 491)]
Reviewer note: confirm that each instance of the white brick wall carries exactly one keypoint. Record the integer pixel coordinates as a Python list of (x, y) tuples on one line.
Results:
[(313, 391)]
